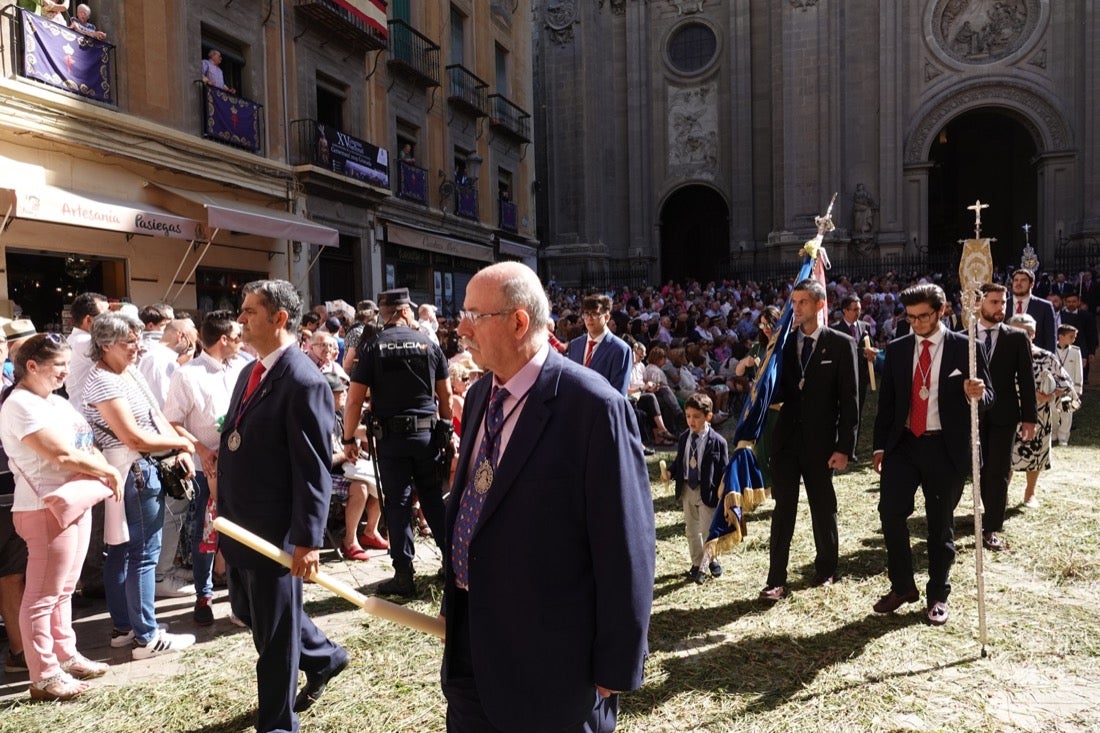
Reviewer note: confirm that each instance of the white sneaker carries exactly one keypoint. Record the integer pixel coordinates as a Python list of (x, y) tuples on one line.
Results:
[(162, 643), (120, 639), (174, 586)]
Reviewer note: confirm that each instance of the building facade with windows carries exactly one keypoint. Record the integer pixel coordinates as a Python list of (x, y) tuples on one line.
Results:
[(122, 171), (699, 138)]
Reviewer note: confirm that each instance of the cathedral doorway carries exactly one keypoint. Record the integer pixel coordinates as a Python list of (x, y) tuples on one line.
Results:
[(694, 235), (983, 154)]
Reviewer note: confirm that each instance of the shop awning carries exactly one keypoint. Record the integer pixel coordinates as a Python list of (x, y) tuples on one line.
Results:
[(55, 205), (234, 216)]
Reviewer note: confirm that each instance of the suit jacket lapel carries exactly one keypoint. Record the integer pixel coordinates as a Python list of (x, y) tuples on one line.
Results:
[(533, 416)]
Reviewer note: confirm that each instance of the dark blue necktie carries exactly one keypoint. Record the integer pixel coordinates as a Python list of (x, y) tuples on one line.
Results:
[(693, 463), (988, 341), (807, 351), (477, 488)]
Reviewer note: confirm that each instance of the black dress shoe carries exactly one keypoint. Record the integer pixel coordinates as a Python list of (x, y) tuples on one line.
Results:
[(315, 686), (715, 569), (774, 593), (646, 450), (824, 581), (893, 601)]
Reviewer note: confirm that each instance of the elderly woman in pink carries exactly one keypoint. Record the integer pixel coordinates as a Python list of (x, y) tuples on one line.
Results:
[(49, 444)]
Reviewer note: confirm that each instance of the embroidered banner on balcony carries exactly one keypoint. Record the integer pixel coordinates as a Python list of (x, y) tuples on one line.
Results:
[(65, 59), (350, 156), (231, 119)]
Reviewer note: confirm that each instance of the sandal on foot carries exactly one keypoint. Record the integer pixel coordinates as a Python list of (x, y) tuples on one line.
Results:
[(59, 687), (80, 667)]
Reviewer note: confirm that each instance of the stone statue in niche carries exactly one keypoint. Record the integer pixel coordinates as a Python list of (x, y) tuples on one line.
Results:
[(560, 17), (693, 128), (864, 209)]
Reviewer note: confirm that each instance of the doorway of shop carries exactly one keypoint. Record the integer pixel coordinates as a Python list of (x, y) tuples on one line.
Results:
[(42, 285)]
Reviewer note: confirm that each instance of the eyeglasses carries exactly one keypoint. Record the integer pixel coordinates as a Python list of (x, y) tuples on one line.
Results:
[(475, 317), (920, 317)]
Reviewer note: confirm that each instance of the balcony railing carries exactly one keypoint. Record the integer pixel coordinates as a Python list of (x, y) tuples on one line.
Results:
[(509, 220), (52, 54), (413, 55), (466, 91), (466, 201), (412, 182), (343, 23), (230, 119), (334, 150), (508, 118)]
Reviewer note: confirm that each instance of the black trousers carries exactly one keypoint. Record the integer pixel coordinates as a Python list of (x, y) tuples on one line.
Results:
[(920, 462), (269, 601), (406, 462), (996, 443), (465, 713), (788, 467)]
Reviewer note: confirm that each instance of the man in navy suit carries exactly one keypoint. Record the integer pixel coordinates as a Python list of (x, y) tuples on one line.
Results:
[(550, 529), (922, 436), (274, 480), (600, 349), (1046, 336), (1008, 352), (851, 324), (814, 435)]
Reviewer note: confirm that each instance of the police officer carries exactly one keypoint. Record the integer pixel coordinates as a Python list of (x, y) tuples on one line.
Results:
[(404, 374)]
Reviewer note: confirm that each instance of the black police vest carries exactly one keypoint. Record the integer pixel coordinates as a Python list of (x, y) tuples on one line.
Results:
[(403, 372)]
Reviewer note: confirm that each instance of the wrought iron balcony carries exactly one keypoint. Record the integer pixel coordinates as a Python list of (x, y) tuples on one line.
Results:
[(466, 91), (413, 55), (332, 149), (231, 119), (352, 26), (509, 218), (508, 118), (52, 54), (412, 182)]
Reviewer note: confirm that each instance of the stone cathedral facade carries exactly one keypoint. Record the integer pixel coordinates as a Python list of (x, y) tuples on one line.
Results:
[(691, 138)]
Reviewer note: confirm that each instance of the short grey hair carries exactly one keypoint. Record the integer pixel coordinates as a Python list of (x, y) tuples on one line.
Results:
[(278, 295), (527, 293), (109, 328), (1024, 322)]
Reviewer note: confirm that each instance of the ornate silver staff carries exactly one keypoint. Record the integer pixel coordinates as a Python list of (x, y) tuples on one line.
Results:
[(975, 268)]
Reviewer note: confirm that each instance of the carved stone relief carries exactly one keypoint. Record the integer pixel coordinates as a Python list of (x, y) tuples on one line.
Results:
[(693, 129), (560, 17), (1043, 122), (618, 7), (803, 5), (983, 31), (687, 7)]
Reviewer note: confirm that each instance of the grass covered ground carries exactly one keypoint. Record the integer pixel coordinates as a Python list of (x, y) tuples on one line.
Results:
[(722, 660)]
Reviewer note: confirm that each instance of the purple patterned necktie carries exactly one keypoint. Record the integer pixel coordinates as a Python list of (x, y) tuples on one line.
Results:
[(477, 488)]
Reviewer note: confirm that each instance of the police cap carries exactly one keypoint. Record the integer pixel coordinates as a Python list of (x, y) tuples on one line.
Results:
[(394, 298)]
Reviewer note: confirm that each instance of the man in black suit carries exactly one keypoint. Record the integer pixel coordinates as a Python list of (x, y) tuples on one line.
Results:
[(851, 324), (274, 480), (550, 529), (814, 435), (922, 436), (1074, 314), (1008, 353), (1046, 334)]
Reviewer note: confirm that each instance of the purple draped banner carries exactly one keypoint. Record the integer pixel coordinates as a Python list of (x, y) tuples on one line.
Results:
[(65, 59), (231, 119)]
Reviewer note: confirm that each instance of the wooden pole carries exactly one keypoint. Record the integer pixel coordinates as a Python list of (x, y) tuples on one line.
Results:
[(374, 606), (870, 364)]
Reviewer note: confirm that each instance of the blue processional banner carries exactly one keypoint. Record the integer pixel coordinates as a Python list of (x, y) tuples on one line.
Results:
[(231, 119), (63, 58)]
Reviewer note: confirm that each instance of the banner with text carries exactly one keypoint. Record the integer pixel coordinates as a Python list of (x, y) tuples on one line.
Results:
[(342, 153)]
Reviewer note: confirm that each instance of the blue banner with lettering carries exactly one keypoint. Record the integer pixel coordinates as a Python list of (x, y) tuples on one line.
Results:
[(65, 59), (343, 153), (231, 119)]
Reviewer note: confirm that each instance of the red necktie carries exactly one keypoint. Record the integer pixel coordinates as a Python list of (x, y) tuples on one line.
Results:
[(922, 379), (253, 380), (588, 352), (1019, 307)]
